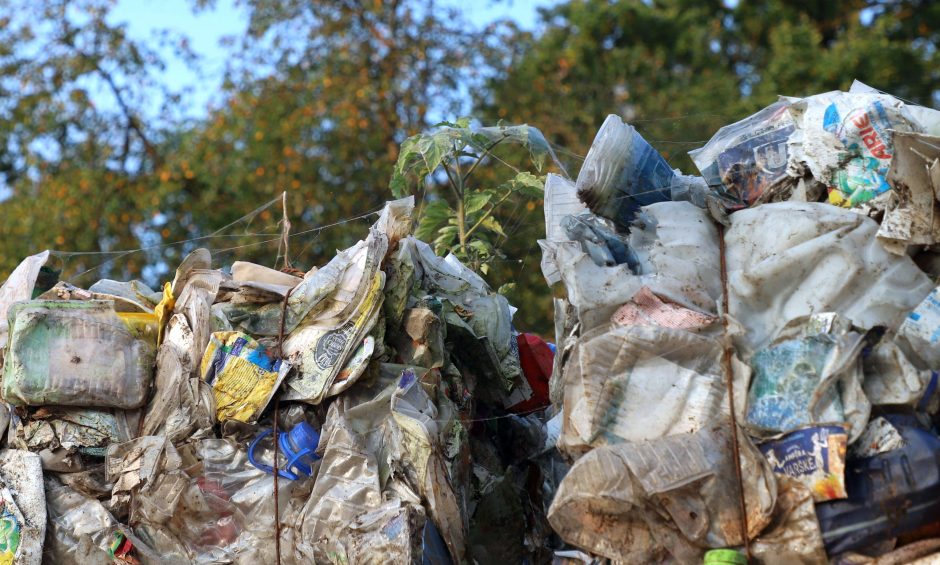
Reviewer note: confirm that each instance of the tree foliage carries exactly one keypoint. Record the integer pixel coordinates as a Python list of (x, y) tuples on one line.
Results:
[(463, 220)]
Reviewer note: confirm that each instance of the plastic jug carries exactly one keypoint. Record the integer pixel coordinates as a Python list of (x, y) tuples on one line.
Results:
[(298, 446)]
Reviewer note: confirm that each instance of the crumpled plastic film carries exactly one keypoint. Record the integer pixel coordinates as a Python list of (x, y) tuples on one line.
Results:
[(643, 501), (792, 259)]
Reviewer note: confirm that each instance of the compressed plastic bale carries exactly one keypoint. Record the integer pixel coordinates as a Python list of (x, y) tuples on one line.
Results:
[(76, 353), (791, 259), (677, 249)]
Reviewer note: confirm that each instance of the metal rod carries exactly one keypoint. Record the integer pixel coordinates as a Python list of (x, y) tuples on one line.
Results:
[(729, 379)]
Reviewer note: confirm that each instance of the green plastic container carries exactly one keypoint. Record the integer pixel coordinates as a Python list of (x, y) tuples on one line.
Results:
[(725, 557)]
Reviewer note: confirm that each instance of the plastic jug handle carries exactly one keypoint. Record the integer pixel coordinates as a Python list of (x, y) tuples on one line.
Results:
[(302, 453), (251, 452), (267, 468)]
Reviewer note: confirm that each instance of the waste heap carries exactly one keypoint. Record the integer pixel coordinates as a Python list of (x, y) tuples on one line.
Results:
[(381, 408), (793, 281)]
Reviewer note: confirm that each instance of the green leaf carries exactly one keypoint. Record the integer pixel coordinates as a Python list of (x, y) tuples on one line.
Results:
[(482, 248), (476, 201), (506, 288), (528, 184), (463, 122), (493, 224), (434, 214), (398, 185)]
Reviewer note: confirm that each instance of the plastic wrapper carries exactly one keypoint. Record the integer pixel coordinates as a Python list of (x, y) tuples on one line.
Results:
[(320, 351), (81, 530), (880, 436), (808, 377), (135, 292), (792, 259), (77, 353), (912, 215), (182, 406), (647, 309), (537, 359), (422, 341), (417, 418), (919, 335), (598, 240), (18, 287), (642, 502), (814, 456), (621, 173), (891, 379), (22, 508), (477, 319), (243, 374), (62, 436), (745, 163), (843, 139), (140, 465), (561, 200)]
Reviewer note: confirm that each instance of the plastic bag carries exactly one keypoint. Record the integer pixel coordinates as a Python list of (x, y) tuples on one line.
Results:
[(792, 259), (745, 163), (814, 456), (244, 375), (621, 173), (673, 499), (843, 139)]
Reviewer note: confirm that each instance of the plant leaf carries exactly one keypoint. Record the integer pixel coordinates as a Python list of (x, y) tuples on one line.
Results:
[(493, 224), (476, 201), (433, 215), (528, 184)]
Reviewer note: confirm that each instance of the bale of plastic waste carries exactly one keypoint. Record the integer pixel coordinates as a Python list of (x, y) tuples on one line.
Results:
[(78, 353)]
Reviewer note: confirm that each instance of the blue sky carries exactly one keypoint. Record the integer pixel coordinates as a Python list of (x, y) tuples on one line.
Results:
[(206, 28)]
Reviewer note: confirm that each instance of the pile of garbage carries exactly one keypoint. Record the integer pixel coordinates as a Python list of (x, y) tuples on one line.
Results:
[(749, 360), (381, 408), (747, 367)]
